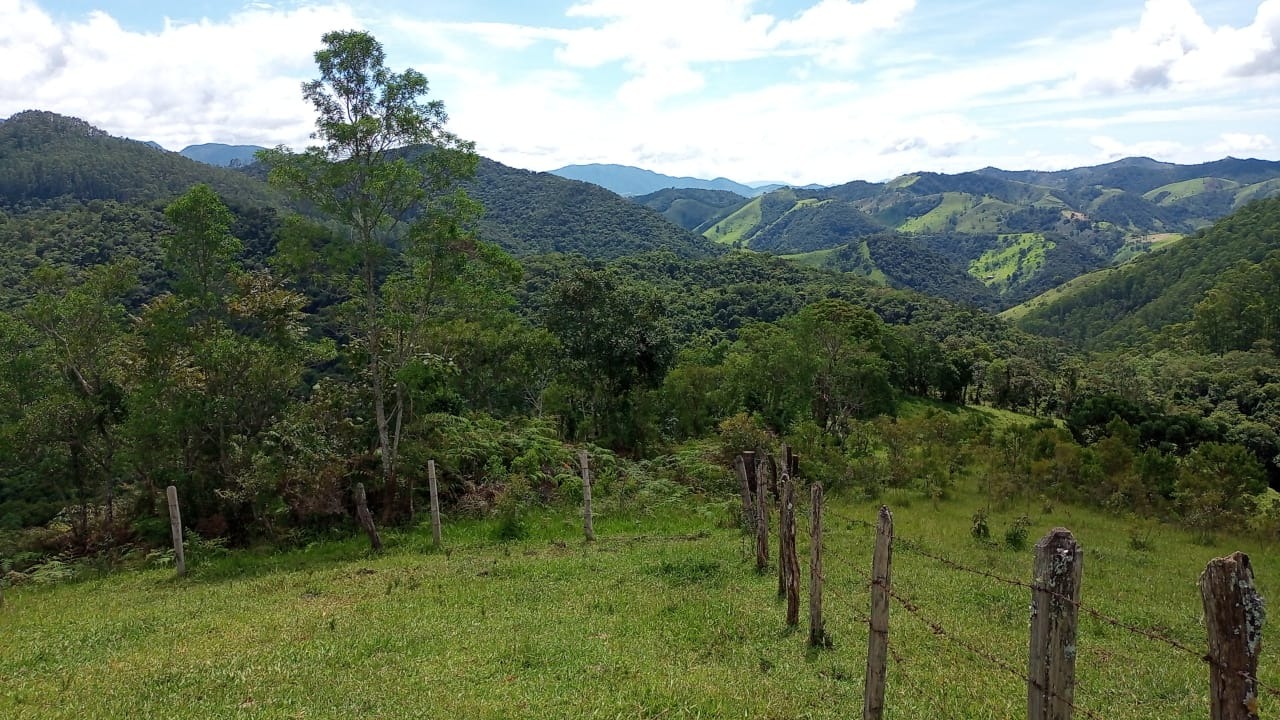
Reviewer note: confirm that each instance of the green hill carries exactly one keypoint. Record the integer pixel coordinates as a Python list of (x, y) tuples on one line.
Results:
[(72, 195), (1018, 233), (691, 208), (1131, 303)]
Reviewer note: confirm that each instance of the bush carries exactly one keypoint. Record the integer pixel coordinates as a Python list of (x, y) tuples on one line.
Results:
[(980, 530), (1015, 537)]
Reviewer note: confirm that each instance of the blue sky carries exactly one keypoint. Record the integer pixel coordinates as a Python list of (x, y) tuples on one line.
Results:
[(783, 90)]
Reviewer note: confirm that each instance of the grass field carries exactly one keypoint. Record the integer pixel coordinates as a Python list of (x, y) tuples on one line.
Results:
[(664, 617), (730, 230)]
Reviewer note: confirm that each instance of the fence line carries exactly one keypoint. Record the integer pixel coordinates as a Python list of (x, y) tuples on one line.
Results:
[(937, 629), (1074, 602)]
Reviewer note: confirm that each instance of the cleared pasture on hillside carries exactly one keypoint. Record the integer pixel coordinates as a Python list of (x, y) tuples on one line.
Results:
[(663, 617)]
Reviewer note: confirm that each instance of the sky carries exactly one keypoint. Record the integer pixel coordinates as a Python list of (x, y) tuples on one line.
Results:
[(795, 91)]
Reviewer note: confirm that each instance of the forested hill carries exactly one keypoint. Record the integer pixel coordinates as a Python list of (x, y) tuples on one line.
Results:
[(1016, 233), (1218, 279), (529, 212), (72, 196), (44, 157)]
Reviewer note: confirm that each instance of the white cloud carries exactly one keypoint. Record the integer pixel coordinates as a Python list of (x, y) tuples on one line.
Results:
[(662, 43), (186, 83), (1113, 149), (1173, 46), (1241, 143)]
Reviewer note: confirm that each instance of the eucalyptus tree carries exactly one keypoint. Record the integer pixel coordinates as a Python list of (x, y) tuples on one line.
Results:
[(384, 174)]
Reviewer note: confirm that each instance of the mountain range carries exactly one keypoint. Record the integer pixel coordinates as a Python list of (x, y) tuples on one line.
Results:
[(991, 237), (72, 194), (220, 154), (629, 181)]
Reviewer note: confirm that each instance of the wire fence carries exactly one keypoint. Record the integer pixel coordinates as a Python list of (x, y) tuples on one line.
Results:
[(993, 659)]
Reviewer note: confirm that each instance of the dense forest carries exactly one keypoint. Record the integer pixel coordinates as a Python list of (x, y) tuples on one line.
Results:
[(265, 346)]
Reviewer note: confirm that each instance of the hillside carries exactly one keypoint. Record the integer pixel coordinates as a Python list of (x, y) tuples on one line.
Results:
[(627, 180), (46, 157), (221, 154), (1017, 233), (531, 213), (691, 208), (668, 622), (72, 195), (1131, 303)]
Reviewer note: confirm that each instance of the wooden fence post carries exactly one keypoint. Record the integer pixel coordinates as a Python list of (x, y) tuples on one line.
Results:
[(744, 489), (175, 529), (878, 639), (588, 523), (1054, 604), (762, 522), (817, 629), (434, 489), (1233, 615), (787, 528), (366, 520)]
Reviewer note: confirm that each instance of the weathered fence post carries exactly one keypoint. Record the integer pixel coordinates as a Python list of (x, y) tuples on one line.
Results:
[(817, 630), (878, 639), (1051, 672), (744, 489), (433, 488), (175, 529), (1233, 615), (787, 528), (762, 522), (366, 520), (588, 523)]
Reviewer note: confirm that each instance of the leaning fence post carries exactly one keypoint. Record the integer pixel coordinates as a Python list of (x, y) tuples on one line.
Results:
[(817, 630), (434, 489), (762, 523), (788, 557), (878, 639), (1055, 599), (366, 520), (744, 489), (175, 529), (1233, 615), (588, 524)]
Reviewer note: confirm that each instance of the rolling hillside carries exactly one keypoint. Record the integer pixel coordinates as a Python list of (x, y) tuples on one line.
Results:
[(1016, 233), (632, 181), (1131, 303), (72, 195), (691, 208)]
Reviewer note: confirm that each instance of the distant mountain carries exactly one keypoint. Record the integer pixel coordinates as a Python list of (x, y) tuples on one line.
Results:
[(72, 195), (530, 212), (45, 156), (1017, 233), (220, 154), (1129, 304), (629, 181), (691, 208)]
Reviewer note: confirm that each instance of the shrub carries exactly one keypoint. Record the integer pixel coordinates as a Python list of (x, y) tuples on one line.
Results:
[(1015, 537)]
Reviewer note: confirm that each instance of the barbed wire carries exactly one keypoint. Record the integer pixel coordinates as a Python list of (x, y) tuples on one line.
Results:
[(937, 629), (1150, 634)]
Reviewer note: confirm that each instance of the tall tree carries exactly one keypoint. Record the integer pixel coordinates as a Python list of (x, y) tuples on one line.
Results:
[(384, 173)]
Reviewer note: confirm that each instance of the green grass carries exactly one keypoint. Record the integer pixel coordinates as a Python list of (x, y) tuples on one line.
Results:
[(1015, 255), (730, 230), (663, 618), (954, 204), (1173, 192), (986, 217), (813, 259), (1257, 191), (1048, 297)]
